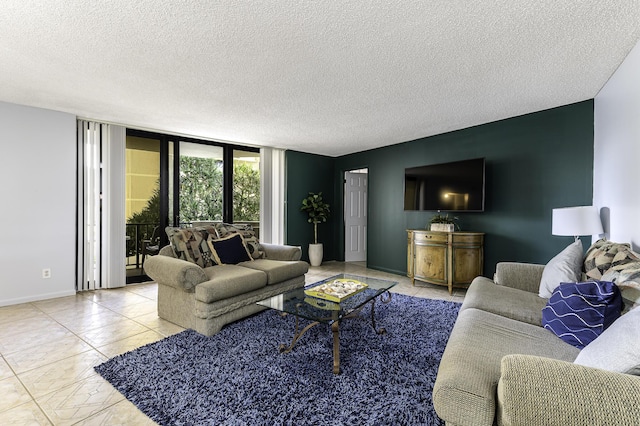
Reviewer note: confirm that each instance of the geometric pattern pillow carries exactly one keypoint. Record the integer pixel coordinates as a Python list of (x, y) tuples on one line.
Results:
[(629, 276), (190, 244), (579, 312), (624, 270), (628, 265), (623, 258), (600, 256), (248, 237)]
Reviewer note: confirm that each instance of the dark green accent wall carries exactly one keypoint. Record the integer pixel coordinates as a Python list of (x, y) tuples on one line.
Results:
[(534, 163), (309, 173)]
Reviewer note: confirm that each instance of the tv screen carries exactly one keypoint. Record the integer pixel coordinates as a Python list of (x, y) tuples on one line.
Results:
[(456, 186)]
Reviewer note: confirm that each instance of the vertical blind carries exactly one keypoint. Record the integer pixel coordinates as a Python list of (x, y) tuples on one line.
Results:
[(100, 216), (272, 204), (101, 243)]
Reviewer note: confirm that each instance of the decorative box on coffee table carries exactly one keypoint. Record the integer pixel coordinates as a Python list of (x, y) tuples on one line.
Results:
[(451, 259)]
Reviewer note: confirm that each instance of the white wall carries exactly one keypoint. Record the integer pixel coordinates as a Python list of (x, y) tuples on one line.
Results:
[(37, 189), (616, 169), (616, 173)]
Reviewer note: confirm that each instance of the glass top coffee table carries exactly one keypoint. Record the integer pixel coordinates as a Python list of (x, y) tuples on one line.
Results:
[(320, 310)]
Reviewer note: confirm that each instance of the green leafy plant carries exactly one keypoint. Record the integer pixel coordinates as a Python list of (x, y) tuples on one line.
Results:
[(201, 194), (200, 189), (317, 210), (445, 218), (246, 193)]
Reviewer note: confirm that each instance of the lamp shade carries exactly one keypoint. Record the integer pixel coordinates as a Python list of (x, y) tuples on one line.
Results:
[(576, 221)]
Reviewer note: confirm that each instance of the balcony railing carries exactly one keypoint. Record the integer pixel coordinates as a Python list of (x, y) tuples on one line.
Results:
[(137, 232)]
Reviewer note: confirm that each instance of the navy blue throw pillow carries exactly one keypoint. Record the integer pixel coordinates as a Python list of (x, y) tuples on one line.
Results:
[(579, 312), (230, 250)]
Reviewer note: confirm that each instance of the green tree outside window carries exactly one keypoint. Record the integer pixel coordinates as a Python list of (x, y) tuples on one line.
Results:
[(201, 181)]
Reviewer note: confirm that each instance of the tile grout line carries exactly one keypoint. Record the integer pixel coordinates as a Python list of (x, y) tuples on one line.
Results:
[(34, 400)]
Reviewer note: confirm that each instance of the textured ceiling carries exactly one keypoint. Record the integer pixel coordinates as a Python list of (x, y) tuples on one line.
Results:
[(329, 77)]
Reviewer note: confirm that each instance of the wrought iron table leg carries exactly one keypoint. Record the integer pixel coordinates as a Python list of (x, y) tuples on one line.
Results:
[(373, 315), (286, 349), (335, 329), (296, 336)]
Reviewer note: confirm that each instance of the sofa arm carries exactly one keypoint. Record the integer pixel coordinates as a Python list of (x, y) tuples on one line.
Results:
[(523, 276), (167, 251), (282, 252), (174, 272), (541, 391)]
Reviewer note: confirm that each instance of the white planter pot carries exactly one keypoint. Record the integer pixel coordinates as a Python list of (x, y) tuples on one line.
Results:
[(315, 254), (442, 227)]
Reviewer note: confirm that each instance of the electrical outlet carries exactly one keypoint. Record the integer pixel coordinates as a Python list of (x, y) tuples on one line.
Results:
[(46, 273)]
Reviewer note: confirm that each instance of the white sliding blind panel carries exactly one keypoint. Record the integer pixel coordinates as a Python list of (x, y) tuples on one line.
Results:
[(272, 203), (101, 222)]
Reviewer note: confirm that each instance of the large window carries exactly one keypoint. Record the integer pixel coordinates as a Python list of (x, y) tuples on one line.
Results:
[(246, 186), (142, 201), (201, 183), (180, 181)]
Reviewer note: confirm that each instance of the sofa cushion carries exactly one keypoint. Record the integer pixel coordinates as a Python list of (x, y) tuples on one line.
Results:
[(537, 391), (600, 256), (522, 276), (229, 250), (190, 244), (248, 236), (281, 252), (564, 267), (240, 306), (465, 387), (579, 312), (617, 348), (227, 281), (278, 270), (508, 302)]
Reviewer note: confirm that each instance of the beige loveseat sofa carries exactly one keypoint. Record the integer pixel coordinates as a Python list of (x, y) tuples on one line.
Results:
[(208, 295), (500, 366)]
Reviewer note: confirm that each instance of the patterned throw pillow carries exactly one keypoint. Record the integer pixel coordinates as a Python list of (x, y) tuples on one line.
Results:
[(600, 257), (630, 276), (230, 250), (624, 270), (627, 264), (579, 312), (190, 244), (248, 236)]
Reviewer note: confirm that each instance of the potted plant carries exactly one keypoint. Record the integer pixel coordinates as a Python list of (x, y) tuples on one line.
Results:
[(443, 223), (318, 212)]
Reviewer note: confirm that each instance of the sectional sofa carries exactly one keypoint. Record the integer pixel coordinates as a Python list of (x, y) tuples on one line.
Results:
[(501, 366)]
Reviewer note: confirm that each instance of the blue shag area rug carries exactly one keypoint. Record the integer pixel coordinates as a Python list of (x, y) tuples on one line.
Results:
[(238, 376)]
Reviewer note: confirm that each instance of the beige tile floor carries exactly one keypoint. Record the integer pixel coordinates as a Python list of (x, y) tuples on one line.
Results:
[(48, 349)]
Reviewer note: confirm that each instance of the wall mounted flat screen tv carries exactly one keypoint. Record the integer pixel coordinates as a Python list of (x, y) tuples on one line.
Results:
[(453, 187)]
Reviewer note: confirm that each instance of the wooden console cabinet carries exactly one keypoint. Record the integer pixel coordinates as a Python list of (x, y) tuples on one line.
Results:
[(452, 259)]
